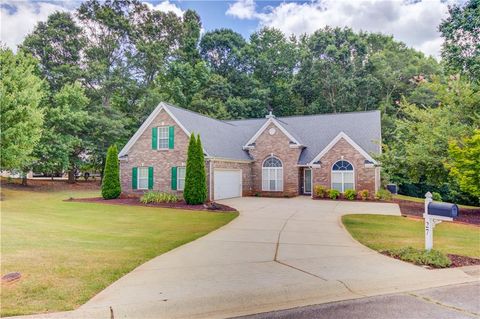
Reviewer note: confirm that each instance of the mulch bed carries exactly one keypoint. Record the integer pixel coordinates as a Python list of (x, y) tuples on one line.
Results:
[(414, 209), (457, 260), (460, 261), (134, 201)]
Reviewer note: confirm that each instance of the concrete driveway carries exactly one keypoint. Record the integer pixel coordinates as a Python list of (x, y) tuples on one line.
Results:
[(279, 253)]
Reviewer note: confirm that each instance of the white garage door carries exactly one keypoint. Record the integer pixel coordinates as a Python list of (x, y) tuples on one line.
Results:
[(227, 183)]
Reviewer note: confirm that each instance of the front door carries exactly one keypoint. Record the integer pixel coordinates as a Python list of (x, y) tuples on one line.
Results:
[(307, 181)]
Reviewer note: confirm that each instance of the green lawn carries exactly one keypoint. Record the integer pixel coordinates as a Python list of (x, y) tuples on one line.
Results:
[(381, 232), (422, 200), (68, 251)]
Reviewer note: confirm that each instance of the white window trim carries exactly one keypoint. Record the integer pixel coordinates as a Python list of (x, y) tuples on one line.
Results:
[(138, 177), (178, 178), (276, 174), (158, 137), (304, 180), (343, 175)]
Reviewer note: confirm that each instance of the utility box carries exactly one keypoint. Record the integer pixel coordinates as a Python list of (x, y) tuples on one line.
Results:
[(392, 188), (443, 209)]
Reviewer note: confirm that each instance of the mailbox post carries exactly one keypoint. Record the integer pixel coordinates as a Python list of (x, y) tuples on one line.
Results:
[(434, 214)]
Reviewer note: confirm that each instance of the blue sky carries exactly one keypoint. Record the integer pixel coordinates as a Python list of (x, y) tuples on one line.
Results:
[(414, 22)]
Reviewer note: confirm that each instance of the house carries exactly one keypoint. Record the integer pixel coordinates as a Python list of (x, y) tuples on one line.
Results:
[(284, 156)]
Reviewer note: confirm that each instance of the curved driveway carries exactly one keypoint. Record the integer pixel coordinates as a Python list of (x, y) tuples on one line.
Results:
[(279, 253)]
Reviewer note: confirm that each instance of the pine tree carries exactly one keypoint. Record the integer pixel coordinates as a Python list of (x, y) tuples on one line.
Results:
[(189, 189), (111, 180)]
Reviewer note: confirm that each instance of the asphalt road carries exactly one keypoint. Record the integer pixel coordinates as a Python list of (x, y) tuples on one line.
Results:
[(449, 302)]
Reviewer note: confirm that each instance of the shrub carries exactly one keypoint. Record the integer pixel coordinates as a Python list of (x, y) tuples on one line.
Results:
[(320, 191), (364, 194), (436, 197), (350, 194), (195, 191), (111, 180), (158, 197), (333, 193), (383, 194), (432, 258)]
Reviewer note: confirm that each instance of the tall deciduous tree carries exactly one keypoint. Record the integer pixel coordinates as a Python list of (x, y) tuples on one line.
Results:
[(464, 163), (65, 132), (21, 92), (461, 46), (57, 44)]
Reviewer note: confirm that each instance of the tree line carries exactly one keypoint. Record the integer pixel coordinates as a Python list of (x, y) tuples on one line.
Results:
[(84, 80)]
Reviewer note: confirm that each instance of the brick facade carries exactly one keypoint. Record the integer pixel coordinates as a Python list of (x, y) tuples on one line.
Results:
[(142, 154), (365, 177), (277, 145)]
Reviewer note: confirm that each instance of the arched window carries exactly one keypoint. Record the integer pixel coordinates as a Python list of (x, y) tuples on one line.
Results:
[(342, 176), (272, 175)]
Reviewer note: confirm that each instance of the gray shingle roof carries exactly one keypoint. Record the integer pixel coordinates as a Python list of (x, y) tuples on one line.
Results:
[(225, 139)]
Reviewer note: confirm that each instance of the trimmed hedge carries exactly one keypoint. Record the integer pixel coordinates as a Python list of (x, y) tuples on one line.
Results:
[(111, 188)]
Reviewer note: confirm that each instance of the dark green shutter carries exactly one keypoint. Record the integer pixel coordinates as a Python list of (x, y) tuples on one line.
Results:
[(171, 138), (174, 178), (150, 177), (134, 178), (154, 138)]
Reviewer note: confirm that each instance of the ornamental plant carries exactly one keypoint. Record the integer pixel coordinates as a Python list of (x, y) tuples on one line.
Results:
[(333, 193), (111, 180), (350, 194), (320, 191), (364, 194)]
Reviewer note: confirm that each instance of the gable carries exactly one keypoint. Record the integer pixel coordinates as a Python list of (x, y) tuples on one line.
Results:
[(269, 124), (342, 137), (144, 128)]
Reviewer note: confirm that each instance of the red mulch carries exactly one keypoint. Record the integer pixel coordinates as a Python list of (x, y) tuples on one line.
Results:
[(460, 261), (465, 215), (134, 201)]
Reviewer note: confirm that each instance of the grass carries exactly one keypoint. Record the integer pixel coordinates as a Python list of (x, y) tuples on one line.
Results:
[(422, 200), (68, 251), (381, 233)]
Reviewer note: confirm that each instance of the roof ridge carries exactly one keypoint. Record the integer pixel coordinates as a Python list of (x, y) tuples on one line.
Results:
[(327, 114), (196, 113)]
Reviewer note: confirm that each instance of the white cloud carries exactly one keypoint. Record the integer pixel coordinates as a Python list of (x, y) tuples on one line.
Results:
[(413, 22), (242, 9), (18, 18), (166, 6)]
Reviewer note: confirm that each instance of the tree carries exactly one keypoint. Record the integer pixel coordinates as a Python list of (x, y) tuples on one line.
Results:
[(461, 46), (202, 176), (64, 141), (111, 179), (21, 91), (464, 163), (222, 50), (419, 149), (195, 179), (190, 38), (57, 44)]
